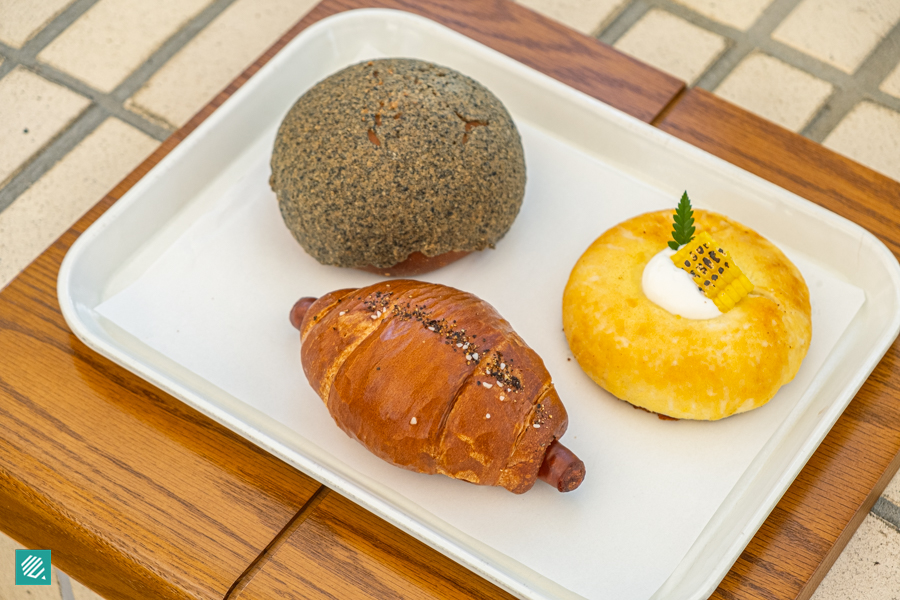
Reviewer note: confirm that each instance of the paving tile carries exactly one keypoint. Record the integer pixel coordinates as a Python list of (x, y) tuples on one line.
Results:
[(8, 588), (892, 492), (32, 112), (114, 37), (740, 14), (868, 568), (44, 211), (671, 44), (869, 134), (774, 90), (218, 54), (586, 16), (841, 33), (891, 83), (21, 20)]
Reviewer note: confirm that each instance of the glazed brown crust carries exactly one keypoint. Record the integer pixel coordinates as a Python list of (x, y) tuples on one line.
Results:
[(406, 386)]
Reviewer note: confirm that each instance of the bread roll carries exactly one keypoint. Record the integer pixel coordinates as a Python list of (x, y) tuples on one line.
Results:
[(397, 158), (432, 379), (685, 368)]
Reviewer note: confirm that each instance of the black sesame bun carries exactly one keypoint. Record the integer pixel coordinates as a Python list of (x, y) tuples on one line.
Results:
[(393, 157)]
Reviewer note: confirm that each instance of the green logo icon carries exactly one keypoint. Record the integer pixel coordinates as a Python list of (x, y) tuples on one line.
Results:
[(32, 567)]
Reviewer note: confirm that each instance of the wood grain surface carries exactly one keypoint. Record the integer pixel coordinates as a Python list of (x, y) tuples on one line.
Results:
[(137, 495), (343, 551), (818, 515), (140, 496)]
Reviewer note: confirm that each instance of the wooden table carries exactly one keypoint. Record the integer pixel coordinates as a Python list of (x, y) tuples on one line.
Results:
[(140, 496)]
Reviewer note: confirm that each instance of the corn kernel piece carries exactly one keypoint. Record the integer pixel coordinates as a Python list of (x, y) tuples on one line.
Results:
[(713, 271)]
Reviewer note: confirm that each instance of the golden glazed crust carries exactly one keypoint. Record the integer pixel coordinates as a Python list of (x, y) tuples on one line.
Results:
[(412, 371), (683, 368)]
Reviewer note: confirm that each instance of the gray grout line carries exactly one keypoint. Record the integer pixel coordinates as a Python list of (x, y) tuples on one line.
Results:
[(725, 64), (863, 85), (835, 108), (630, 15), (891, 102), (55, 27), (106, 101), (849, 89), (168, 49), (881, 61), (103, 105), (806, 63), (27, 53), (700, 20), (65, 585), (52, 153), (887, 511), (113, 107), (608, 20), (744, 42), (7, 65)]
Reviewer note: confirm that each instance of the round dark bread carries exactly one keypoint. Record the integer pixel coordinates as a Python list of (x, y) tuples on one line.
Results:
[(390, 157)]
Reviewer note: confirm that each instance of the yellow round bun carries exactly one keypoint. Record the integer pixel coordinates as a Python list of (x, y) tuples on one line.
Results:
[(685, 368)]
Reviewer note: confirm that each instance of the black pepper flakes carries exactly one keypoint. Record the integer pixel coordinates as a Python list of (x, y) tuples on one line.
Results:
[(502, 372), (456, 338)]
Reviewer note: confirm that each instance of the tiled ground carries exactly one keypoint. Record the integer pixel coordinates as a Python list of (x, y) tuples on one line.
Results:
[(88, 88)]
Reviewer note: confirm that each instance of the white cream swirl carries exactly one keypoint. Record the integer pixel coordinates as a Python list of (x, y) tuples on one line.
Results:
[(674, 289)]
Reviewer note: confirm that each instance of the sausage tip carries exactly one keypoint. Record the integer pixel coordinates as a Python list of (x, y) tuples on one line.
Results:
[(298, 311), (561, 468)]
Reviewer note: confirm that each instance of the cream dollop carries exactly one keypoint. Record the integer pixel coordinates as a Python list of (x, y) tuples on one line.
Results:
[(674, 289)]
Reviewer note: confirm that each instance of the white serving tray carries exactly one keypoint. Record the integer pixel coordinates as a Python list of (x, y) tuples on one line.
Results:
[(188, 279)]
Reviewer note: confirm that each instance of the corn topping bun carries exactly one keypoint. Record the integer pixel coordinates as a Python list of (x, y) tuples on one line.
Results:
[(678, 367), (391, 157)]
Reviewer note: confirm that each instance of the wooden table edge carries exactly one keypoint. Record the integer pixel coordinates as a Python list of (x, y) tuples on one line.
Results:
[(717, 115), (312, 17), (666, 86)]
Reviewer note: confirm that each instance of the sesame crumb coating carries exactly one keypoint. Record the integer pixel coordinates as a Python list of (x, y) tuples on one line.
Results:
[(395, 156)]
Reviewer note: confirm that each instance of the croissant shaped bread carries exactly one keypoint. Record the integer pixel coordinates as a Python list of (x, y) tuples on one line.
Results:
[(434, 380)]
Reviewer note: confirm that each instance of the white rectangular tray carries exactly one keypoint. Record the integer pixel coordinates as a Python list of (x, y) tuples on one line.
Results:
[(187, 282)]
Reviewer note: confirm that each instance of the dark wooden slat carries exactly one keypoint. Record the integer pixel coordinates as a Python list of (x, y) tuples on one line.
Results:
[(342, 551), (810, 525), (132, 490), (137, 495), (818, 515)]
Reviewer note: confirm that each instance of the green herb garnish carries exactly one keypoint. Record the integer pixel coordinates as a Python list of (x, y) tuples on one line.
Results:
[(683, 228)]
